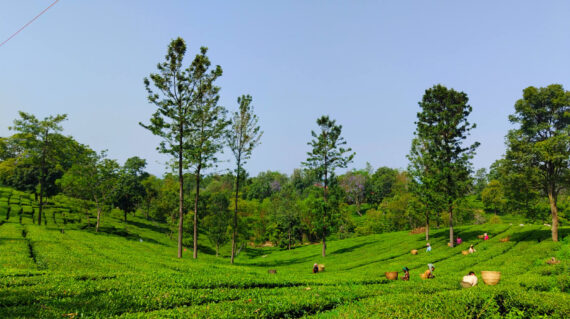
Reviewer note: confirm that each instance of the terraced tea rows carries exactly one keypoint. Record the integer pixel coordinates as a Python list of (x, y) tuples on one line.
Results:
[(130, 270)]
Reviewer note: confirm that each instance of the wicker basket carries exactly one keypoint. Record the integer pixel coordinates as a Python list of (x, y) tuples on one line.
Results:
[(423, 276), (392, 275), (465, 284), (465, 252), (491, 278), (504, 240), (481, 236), (414, 251), (272, 271), (321, 267)]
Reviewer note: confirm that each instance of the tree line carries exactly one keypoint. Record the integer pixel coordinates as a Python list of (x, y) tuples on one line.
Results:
[(439, 186)]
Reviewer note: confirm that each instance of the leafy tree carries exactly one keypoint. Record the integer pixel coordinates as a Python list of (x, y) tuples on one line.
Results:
[(354, 184), (381, 184), (242, 137), (151, 186), (423, 184), (493, 196), (442, 127), (94, 177), (285, 213), (541, 144), (218, 219), (327, 154), (177, 92), (207, 129), (40, 142), (518, 186), (265, 184), (301, 180), (481, 181), (131, 189)]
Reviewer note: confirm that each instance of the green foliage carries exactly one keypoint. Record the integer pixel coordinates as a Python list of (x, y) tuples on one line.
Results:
[(217, 221), (327, 154), (440, 165), (540, 147), (493, 196), (381, 184), (131, 271), (495, 220)]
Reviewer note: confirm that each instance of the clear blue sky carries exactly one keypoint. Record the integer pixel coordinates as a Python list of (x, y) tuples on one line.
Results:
[(364, 63)]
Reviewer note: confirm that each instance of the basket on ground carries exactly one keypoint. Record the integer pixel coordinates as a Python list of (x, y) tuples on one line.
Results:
[(465, 284), (465, 252), (481, 236), (414, 251), (504, 240), (491, 278), (391, 275), (321, 267)]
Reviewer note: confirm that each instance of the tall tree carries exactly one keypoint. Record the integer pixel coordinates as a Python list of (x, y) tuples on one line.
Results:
[(242, 137), (208, 124), (442, 127), (41, 144), (541, 145), (327, 154), (176, 91), (423, 181)]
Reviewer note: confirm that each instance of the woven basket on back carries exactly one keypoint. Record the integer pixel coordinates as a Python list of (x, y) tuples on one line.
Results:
[(321, 267), (414, 251)]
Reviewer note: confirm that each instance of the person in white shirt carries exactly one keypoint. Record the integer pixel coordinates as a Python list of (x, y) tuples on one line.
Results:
[(471, 278)]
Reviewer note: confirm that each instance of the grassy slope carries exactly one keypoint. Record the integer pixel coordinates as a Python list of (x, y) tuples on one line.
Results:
[(49, 274)]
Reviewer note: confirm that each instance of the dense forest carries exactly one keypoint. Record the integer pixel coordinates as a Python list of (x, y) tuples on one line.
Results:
[(439, 187)]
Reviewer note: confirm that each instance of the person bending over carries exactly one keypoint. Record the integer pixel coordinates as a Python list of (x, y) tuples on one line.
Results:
[(470, 278)]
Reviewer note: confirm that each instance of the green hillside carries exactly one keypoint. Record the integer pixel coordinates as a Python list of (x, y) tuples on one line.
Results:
[(130, 270)]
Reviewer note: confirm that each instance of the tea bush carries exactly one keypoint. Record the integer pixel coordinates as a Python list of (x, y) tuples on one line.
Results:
[(129, 269)]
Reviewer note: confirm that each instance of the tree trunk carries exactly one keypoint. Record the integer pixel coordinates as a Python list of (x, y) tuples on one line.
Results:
[(42, 177), (437, 220), (450, 210), (181, 194), (358, 208), (98, 218), (325, 213), (289, 236), (217, 249), (196, 211), (235, 210), (41, 200), (554, 211), (427, 225)]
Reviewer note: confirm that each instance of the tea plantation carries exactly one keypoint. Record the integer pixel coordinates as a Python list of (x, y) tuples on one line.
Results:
[(130, 270)]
